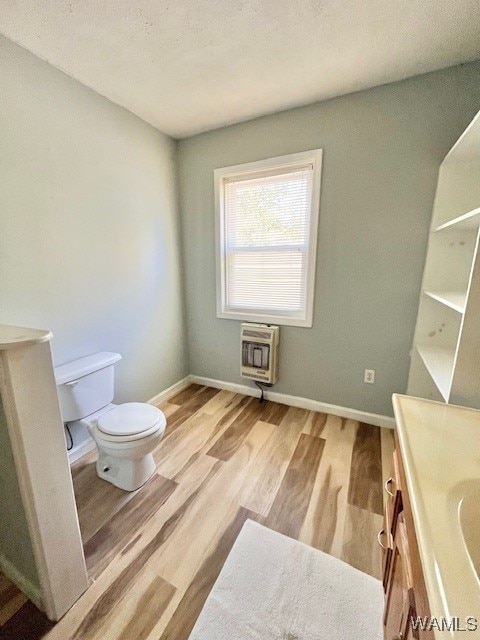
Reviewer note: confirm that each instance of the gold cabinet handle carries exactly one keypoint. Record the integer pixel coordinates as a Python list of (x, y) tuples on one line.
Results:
[(379, 539), (387, 483)]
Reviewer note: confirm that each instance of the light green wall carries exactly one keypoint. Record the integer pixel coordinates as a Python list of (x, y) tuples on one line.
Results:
[(89, 244), (382, 149), (15, 543)]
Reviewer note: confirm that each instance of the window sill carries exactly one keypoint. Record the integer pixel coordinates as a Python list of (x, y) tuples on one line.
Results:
[(265, 318)]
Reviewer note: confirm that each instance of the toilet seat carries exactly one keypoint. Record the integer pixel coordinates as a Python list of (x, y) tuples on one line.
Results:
[(130, 421)]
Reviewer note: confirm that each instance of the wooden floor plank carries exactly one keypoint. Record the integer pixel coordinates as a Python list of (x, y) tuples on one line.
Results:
[(220, 401), (84, 462), (360, 546), (194, 435), (291, 503), (136, 620), (274, 412), (261, 487), (232, 438), (324, 522), (315, 424), (190, 406), (97, 500), (185, 395), (185, 550), (365, 489), (116, 579), (115, 534), (187, 612), (11, 599), (156, 553), (168, 408), (97, 616), (28, 623)]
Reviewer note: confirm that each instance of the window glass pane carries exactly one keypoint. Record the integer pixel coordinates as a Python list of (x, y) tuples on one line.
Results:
[(268, 211), (267, 221), (270, 280)]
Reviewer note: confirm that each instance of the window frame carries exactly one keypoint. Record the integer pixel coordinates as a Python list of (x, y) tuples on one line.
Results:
[(263, 167)]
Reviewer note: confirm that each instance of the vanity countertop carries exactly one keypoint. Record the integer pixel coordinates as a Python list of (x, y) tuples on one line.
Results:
[(14, 337), (440, 448)]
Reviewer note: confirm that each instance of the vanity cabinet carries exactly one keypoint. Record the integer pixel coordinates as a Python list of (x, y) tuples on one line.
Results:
[(403, 583)]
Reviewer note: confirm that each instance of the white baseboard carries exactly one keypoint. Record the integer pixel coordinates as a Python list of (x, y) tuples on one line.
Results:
[(25, 585), (80, 451), (165, 395), (302, 403)]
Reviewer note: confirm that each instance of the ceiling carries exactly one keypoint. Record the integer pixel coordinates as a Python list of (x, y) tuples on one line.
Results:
[(187, 66)]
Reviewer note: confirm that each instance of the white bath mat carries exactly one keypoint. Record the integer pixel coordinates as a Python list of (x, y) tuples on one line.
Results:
[(275, 588)]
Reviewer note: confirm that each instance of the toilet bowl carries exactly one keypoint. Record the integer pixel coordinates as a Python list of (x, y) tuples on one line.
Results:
[(125, 434)]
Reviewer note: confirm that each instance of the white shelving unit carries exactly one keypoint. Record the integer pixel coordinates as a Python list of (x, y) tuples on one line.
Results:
[(445, 363), (439, 363)]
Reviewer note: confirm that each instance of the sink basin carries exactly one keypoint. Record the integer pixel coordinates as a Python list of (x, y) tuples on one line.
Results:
[(469, 517)]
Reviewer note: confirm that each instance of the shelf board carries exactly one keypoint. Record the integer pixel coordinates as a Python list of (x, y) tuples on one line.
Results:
[(454, 299), (439, 363), (467, 222)]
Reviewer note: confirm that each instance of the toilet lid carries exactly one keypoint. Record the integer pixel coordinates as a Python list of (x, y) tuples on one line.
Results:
[(129, 419)]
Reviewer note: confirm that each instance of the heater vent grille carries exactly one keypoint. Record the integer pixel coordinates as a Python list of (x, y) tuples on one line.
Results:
[(264, 335)]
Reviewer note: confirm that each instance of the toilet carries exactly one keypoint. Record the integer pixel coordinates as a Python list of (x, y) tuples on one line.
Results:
[(125, 434)]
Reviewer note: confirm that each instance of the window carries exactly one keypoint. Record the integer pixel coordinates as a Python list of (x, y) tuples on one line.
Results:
[(267, 219)]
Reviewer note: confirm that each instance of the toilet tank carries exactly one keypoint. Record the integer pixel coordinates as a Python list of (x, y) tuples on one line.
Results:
[(86, 385)]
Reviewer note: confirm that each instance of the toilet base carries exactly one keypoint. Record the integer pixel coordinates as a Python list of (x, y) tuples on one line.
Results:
[(125, 473)]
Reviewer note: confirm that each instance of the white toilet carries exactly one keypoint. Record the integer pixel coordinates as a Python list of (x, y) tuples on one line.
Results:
[(125, 434)]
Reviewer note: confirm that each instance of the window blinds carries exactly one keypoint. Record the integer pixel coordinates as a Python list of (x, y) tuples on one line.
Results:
[(266, 226)]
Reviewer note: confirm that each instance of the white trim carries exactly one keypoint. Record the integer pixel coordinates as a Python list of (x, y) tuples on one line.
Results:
[(292, 160), (25, 585), (37, 439), (81, 450), (251, 316), (166, 394), (303, 403)]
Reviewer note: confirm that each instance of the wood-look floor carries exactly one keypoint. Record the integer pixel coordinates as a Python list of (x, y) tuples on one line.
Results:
[(155, 554)]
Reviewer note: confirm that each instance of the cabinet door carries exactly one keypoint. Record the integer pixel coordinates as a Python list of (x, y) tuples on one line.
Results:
[(385, 540), (393, 489), (399, 601), (392, 508), (397, 604), (411, 633)]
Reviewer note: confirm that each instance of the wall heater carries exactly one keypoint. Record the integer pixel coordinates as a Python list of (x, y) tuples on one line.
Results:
[(259, 357)]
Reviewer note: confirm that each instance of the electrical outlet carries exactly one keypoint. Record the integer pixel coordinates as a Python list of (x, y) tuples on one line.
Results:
[(369, 376)]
